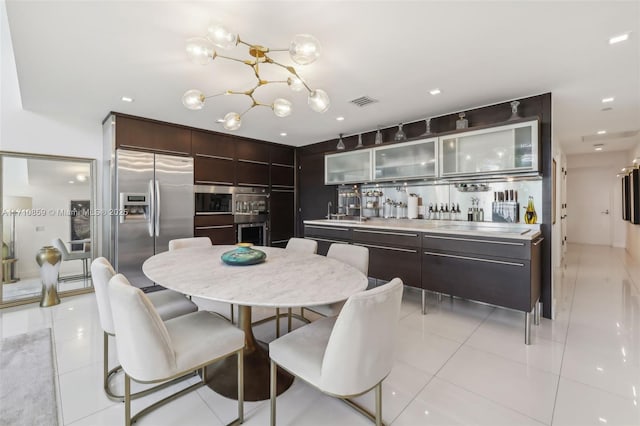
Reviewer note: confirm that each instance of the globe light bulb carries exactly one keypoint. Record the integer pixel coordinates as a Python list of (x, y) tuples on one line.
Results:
[(295, 84), (318, 100), (232, 121), (282, 107), (193, 99), (200, 50), (304, 49), (221, 36)]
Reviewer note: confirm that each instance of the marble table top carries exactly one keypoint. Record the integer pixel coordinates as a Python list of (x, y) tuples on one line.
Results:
[(285, 279)]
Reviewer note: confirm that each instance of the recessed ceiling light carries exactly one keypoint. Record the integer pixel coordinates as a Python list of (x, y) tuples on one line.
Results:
[(597, 147), (220, 120), (435, 92), (126, 99), (283, 134), (81, 178), (341, 118), (619, 38), (71, 181), (602, 132), (607, 100)]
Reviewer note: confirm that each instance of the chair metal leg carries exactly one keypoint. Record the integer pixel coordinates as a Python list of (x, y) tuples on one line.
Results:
[(273, 379), (424, 302), (277, 322), (379, 404), (232, 322), (536, 312), (527, 328), (289, 313), (127, 400)]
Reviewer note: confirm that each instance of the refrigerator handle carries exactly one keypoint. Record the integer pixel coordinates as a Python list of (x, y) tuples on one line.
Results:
[(151, 209), (157, 208)]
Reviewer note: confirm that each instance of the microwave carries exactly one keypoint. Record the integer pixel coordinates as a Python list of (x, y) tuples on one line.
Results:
[(213, 200)]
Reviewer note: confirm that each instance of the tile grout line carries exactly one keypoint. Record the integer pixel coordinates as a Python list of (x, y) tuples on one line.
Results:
[(564, 350)]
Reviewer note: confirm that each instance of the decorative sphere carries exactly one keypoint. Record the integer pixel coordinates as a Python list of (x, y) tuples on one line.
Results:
[(200, 50), (232, 121), (304, 49), (281, 107), (318, 100), (221, 36), (193, 99), (295, 84)]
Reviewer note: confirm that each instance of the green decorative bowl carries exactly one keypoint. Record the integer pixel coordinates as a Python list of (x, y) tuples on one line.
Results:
[(243, 255)]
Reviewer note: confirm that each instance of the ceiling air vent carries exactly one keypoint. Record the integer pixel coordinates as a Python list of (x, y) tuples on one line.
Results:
[(363, 101)]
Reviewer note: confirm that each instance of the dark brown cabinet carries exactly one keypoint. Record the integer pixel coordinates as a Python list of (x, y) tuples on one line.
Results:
[(391, 254), (219, 228), (214, 171), (152, 136), (282, 176), (282, 214), (250, 173), (282, 155), (327, 235), (498, 271), (252, 151), (212, 144)]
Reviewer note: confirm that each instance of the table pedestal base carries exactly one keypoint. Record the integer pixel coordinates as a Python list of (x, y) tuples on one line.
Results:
[(222, 376)]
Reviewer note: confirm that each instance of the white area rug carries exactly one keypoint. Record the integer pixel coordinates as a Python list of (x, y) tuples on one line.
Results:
[(27, 380)]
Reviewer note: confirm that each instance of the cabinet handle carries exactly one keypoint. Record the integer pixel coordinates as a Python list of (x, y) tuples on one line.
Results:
[(253, 162), (261, 185), (283, 165), (386, 233), (214, 227), (215, 182), (538, 241), (327, 227), (286, 191), (476, 259), (217, 157), (386, 248), (329, 241), (168, 151), (212, 213), (475, 240), (291, 187)]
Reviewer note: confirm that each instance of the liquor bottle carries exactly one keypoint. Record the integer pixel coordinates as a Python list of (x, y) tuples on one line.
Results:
[(530, 215)]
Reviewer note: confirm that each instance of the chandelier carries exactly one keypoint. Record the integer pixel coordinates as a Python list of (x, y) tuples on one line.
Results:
[(303, 50)]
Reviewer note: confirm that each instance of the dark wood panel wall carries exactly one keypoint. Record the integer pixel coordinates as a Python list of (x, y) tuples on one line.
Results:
[(313, 195)]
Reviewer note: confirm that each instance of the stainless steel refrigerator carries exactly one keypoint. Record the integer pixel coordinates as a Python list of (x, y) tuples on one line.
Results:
[(156, 193)]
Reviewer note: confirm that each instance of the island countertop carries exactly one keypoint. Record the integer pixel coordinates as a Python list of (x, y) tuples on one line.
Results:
[(482, 229)]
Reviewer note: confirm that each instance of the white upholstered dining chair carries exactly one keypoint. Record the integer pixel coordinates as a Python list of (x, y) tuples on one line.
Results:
[(181, 243), (347, 355), (356, 256), (152, 351), (300, 245), (84, 256), (169, 304)]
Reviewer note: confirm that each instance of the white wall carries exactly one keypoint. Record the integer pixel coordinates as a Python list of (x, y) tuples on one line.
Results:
[(608, 164), (28, 132), (633, 231)]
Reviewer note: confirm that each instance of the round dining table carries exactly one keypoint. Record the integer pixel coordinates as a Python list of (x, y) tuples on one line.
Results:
[(285, 279)]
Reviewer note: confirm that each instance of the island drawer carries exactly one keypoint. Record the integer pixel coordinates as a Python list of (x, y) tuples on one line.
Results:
[(384, 237), (464, 244)]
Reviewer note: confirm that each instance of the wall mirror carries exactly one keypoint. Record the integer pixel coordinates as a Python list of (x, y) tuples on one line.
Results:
[(46, 201)]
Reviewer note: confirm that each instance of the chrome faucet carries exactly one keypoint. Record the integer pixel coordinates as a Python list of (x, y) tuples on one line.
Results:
[(329, 205), (361, 207)]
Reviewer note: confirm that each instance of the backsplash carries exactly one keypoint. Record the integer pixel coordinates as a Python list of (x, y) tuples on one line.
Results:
[(450, 193)]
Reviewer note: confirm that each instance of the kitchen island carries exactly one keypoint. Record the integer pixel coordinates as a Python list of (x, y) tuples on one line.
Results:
[(495, 263)]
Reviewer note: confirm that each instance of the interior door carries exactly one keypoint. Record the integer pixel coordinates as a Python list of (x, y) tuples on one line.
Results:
[(589, 205)]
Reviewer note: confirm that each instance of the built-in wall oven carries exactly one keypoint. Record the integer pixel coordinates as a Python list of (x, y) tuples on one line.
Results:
[(213, 200), (251, 214)]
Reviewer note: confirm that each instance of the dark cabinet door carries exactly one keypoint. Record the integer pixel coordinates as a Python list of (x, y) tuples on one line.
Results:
[(149, 135), (387, 263), (213, 145), (252, 151), (252, 173), (314, 194), (282, 155), (214, 171), (282, 176), (282, 215), (219, 228)]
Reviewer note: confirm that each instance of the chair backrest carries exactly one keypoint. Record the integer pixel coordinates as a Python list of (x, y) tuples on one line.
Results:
[(302, 245), (360, 351), (356, 256), (145, 350), (101, 273), (180, 243), (57, 243)]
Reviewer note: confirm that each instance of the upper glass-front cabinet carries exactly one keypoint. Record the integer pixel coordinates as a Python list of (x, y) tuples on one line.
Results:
[(511, 148), (347, 167), (405, 161)]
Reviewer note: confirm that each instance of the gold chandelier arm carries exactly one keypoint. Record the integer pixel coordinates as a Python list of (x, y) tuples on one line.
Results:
[(248, 109), (217, 94), (291, 69), (247, 62)]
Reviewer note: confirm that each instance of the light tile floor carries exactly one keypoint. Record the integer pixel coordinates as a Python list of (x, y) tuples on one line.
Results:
[(462, 363)]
